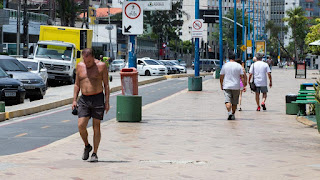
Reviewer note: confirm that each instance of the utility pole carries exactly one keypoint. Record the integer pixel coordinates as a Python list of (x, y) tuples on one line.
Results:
[(25, 31), (18, 27), (235, 26), (86, 11)]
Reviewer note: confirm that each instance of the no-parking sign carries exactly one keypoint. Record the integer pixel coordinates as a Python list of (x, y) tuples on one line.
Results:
[(197, 28), (132, 18)]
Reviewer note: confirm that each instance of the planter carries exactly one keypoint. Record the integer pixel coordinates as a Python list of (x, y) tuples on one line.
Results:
[(318, 115)]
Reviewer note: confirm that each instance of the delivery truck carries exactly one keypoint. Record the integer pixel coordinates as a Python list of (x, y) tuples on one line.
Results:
[(59, 48)]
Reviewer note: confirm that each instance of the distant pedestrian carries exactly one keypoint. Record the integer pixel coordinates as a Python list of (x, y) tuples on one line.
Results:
[(269, 62), (230, 75), (260, 70), (242, 88), (91, 79)]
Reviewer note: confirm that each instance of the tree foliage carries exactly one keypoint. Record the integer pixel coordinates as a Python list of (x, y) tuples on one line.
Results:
[(298, 22), (274, 40), (165, 24), (67, 11), (312, 36)]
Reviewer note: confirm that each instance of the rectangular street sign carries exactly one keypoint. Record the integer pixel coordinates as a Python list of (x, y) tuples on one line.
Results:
[(132, 18), (197, 28), (209, 12), (155, 5), (249, 50)]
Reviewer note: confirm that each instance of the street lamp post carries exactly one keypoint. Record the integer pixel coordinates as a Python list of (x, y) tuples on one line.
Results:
[(110, 49), (243, 33), (253, 36), (235, 26)]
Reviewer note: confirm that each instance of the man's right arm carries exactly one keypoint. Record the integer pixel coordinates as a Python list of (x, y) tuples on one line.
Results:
[(76, 89)]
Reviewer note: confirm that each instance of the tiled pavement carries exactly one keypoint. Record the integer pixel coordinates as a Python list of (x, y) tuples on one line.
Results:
[(187, 136)]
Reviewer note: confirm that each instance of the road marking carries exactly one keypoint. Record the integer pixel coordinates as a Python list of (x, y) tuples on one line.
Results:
[(45, 127), (20, 135), (64, 121)]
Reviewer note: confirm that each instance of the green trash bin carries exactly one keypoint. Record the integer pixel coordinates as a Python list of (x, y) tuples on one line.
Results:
[(217, 73), (2, 106), (129, 108), (291, 108)]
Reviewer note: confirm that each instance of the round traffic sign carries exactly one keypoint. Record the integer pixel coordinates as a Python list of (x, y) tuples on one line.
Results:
[(132, 10), (197, 25)]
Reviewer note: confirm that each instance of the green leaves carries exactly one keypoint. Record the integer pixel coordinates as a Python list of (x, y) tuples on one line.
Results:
[(312, 36)]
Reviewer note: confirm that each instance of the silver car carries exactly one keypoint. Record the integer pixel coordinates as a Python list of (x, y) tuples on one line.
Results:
[(36, 67), (33, 83), (117, 65)]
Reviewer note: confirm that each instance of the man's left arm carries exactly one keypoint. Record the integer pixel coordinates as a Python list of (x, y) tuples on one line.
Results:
[(105, 79)]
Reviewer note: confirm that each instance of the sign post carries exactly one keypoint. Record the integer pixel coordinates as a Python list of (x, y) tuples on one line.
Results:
[(195, 83)]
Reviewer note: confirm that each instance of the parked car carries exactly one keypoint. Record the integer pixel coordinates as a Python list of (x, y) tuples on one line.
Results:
[(170, 68), (11, 90), (33, 83), (181, 69), (183, 63), (150, 67), (36, 67), (117, 65)]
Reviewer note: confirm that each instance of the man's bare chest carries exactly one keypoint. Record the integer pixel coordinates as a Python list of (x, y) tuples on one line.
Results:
[(93, 73)]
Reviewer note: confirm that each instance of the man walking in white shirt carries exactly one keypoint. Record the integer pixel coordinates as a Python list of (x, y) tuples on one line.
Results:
[(259, 70), (230, 75)]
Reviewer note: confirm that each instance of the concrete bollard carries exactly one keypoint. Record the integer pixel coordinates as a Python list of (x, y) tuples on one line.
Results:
[(129, 108), (2, 106), (195, 83)]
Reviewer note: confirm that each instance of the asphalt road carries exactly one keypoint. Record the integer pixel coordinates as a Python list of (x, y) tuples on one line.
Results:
[(31, 132)]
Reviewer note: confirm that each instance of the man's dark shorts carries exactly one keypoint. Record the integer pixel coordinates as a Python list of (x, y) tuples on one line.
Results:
[(91, 106)]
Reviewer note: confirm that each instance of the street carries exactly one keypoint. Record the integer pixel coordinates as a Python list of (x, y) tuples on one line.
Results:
[(34, 131)]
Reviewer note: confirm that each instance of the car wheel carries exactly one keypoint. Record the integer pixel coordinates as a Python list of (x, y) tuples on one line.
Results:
[(147, 73)]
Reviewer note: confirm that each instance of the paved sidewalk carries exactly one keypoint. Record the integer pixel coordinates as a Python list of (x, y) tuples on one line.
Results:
[(187, 136)]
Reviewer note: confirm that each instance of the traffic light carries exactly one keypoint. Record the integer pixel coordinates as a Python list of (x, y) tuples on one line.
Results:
[(209, 12)]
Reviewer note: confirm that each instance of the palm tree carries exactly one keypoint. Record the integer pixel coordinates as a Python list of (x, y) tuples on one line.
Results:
[(67, 12), (298, 24)]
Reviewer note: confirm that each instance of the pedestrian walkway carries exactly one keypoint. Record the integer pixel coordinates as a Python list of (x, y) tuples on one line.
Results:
[(187, 136)]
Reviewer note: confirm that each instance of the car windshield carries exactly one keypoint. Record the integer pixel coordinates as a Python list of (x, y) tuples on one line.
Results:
[(54, 52), (3, 73), (182, 62), (32, 65), (151, 62), (217, 62), (117, 62), (12, 65), (174, 63)]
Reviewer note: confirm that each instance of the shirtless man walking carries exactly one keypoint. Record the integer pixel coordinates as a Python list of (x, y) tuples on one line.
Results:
[(91, 79)]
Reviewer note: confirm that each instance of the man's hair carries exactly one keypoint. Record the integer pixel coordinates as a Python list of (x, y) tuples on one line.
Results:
[(259, 56), (232, 55), (88, 52)]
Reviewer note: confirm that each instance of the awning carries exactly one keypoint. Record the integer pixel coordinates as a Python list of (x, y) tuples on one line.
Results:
[(315, 43)]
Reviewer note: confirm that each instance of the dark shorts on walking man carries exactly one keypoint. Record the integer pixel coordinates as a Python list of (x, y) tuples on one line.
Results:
[(231, 96), (91, 106), (262, 89)]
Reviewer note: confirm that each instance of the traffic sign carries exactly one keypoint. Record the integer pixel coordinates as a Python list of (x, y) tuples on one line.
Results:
[(152, 5), (249, 43), (249, 50), (197, 28), (132, 18), (243, 48)]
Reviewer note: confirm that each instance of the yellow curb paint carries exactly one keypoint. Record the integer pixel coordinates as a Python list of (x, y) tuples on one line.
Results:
[(44, 127), (20, 135), (64, 121)]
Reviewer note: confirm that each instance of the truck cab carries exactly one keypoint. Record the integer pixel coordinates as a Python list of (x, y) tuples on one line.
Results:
[(60, 59)]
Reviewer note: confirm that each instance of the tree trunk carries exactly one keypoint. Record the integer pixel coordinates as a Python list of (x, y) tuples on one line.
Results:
[(73, 14)]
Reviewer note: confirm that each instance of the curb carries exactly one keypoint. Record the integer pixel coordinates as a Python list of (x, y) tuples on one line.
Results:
[(307, 122), (23, 112)]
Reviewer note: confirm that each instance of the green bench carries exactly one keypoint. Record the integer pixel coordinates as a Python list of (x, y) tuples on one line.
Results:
[(304, 97)]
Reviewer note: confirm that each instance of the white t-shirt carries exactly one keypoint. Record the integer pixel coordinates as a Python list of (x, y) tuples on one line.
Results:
[(260, 73), (231, 72)]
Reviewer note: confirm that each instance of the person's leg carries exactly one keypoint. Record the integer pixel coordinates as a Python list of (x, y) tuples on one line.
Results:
[(234, 108), (82, 126), (240, 98), (96, 134), (264, 98), (228, 106), (258, 100)]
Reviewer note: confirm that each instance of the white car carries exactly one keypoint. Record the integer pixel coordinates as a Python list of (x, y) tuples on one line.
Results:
[(36, 67), (117, 65), (181, 69), (150, 67)]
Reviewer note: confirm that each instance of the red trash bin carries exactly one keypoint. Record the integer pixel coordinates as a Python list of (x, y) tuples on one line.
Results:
[(129, 81)]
